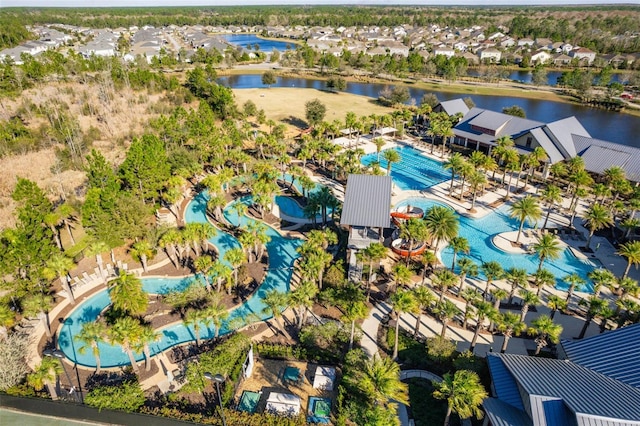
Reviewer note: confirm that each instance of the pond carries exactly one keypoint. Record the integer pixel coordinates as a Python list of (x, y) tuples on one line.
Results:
[(601, 124)]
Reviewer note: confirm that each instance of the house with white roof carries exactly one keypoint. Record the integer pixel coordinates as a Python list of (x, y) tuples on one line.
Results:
[(445, 51), (583, 54), (490, 54), (541, 57)]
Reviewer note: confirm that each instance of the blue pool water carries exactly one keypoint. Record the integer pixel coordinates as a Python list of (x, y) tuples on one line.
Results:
[(413, 171), (319, 410), (480, 233), (282, 254), (291, 208)]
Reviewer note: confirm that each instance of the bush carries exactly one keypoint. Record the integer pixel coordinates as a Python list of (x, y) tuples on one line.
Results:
[(324, 342), (127, 396)]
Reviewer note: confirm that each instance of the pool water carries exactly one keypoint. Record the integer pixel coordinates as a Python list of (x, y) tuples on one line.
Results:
[(282, 254), (292, 208), (480, 233), (414, 171), (249, 401), (319, 410)]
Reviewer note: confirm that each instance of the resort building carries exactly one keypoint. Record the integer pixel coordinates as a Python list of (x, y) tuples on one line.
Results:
[(614, 354), (533, 391), (562, 140), (367, 208)]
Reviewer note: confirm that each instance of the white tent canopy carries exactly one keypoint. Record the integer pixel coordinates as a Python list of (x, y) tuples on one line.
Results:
[(283, 403), (324, 378)]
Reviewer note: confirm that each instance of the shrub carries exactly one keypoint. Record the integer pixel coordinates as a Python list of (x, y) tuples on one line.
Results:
[(127, 396)]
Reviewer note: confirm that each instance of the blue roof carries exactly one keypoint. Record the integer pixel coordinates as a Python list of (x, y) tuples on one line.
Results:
[(504, 384), (500, 413), (585, 393), (615, 354), (557, 414)]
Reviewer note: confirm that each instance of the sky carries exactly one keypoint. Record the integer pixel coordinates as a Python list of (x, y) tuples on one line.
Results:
[(125, 3)]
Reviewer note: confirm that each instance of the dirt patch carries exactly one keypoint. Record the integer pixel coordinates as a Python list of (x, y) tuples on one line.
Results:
[(279, 103)]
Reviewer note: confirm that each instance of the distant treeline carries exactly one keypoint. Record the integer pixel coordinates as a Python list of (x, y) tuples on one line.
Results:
[(589, 26)]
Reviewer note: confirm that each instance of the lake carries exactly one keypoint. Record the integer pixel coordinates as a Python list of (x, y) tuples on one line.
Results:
[(526, 76), (601, 124), (248, 41)]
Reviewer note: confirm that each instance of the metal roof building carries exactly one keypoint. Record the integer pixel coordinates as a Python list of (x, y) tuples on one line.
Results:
[(367, 201), (615, 353), (553, 392), (453, 107), (561, 139)]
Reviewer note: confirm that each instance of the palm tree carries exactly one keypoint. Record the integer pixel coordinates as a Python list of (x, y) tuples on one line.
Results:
[(424, 299), (38, 305), (126, 332), (379, 143), (89, 336), (235, 257), (442, 224), (492, 270), (510, 325), (391, 156), (545, 331), (147, 335), (46, 374), (551, 196), (401, 275), (142, 251), (467, 268), (58, 266), (240, 209), (221, 273), (454, 163), (547, 247), (276, 302), (353, 312), (443, 279), (215, 204), (512, 163), (204, 265), (402, 302), (518, 278), (484, 310), (428, 260), (556, 303), (127, 295), (470, 296), (477, 180), (413, 230), (594, 306), (596, 217), (302, 299), (445, 311), (631, 252), (526, 208), (574, 280), (195, 318), (464, 394), (217, 313), (375, 252), (497, 294), (169, 242), (458, 245), (381, 379), (529, 298), (600, 277), (541, 278)]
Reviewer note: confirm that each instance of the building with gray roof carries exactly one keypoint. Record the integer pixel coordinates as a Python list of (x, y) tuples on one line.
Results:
[(367, 208), (452, 107), (614, 353), (562, 140), (537, 391)]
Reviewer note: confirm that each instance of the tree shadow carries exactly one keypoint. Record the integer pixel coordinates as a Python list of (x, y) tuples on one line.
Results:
[(295, 121)]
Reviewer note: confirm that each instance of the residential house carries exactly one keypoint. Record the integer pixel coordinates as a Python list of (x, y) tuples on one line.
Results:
[(583, 54), (541, 57), (444, 50), (525, 42), (490, 54), (561, 59)]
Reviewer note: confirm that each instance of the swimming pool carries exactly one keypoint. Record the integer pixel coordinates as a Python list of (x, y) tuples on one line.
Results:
[(319, 410), (480, 233), (291, 208), (249, 401), (414, 170), (282, 253)]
